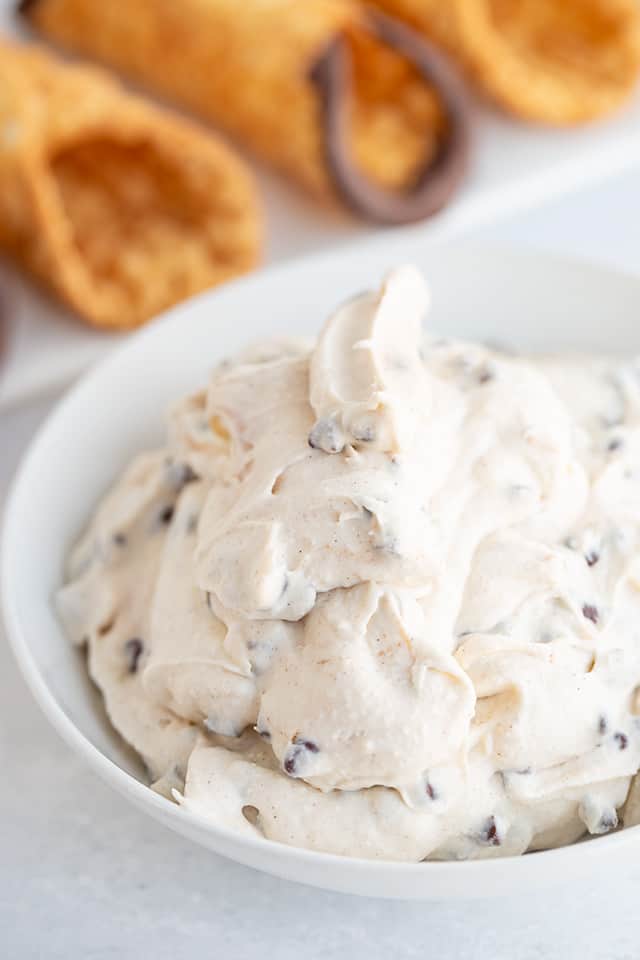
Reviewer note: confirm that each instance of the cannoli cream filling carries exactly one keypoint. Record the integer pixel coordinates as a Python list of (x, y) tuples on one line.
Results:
[(379, 595)]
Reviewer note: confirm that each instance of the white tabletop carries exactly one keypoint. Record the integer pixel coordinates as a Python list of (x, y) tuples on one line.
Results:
[(87, 876)]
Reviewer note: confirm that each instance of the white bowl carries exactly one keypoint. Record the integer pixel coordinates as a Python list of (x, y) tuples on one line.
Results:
[(530, 301)]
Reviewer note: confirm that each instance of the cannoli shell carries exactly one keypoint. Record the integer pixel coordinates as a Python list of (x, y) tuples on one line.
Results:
[(553, 61), (255, 68), (121, 209)]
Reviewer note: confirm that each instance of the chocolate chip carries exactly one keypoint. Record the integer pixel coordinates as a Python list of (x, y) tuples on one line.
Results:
[(614, 444), (365, 434), (489, 834), (180, 474), (602, 724), (485, 376), (326, 436), (622, 740), (291, 761), (590, 612), (166, 515), (106, 627), (188, 474), (296, 754), (592, 557), (265, 734), (120, 539), (430, 791), (133, 649), (608, 821)]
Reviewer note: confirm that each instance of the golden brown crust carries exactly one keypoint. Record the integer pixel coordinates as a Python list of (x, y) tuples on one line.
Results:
[(248, 70), (121, 209), (544, 60)]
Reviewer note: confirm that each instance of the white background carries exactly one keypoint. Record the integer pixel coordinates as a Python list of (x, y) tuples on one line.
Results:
[(83, 875)]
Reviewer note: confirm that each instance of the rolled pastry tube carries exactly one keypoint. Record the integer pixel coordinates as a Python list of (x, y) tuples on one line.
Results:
[(553, 61), (117, 207), (343, 99)]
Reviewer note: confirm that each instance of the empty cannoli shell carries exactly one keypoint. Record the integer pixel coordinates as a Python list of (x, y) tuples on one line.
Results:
[(120, 208), (554, 61)]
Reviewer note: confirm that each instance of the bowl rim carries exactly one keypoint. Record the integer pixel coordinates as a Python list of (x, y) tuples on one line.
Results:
[(557, 862)]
